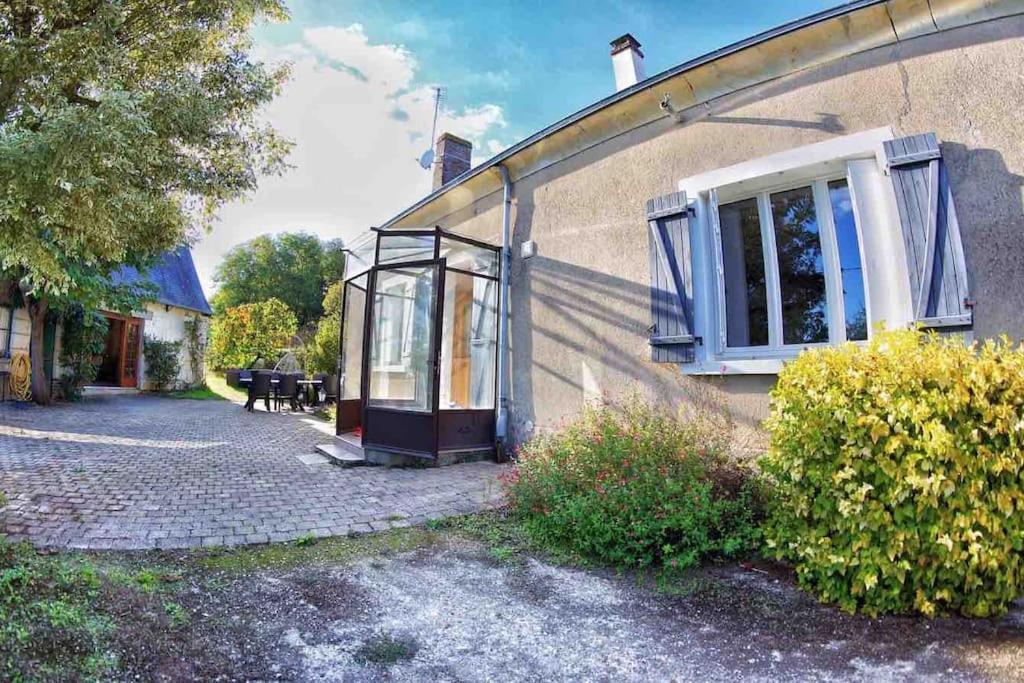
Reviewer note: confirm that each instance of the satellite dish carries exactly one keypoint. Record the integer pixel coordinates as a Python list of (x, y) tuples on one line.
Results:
[(427, 159)]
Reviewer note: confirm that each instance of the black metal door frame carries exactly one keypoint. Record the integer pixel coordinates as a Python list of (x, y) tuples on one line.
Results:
[(434, 356)]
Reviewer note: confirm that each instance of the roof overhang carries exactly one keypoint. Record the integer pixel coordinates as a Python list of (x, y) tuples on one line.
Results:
[(808, 42)]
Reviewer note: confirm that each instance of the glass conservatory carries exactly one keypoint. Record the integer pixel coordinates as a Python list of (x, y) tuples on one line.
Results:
[(419, 335)]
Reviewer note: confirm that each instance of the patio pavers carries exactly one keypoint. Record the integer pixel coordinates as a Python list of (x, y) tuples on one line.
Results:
[(134, 472)]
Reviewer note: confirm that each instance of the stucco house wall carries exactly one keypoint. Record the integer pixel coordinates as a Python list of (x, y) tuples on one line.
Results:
[(580, 308), (167, 323)]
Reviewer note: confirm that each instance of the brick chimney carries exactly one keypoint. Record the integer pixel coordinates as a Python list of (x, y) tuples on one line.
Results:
[(627, 61), (452, 158)]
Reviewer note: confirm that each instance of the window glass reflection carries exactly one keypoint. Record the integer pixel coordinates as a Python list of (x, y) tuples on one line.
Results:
[(801, 267), (746, 303), (854, 300)]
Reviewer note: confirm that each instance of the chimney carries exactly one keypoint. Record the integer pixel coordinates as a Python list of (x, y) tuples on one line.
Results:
[(451, 159), (627, 61)]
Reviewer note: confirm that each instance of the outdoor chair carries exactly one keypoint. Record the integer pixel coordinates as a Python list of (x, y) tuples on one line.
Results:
[(259, 387), (287, 390), (330, 388), (232, 377)]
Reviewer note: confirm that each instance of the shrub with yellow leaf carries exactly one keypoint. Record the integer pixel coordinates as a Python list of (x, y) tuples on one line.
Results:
[(899, 474)]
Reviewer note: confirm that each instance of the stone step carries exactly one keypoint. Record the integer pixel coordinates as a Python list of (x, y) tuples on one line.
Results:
[(341, 454)]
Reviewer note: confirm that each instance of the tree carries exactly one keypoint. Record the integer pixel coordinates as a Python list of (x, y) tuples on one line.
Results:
[(321, 354), (294, 267), (244, 333), (124, 125)]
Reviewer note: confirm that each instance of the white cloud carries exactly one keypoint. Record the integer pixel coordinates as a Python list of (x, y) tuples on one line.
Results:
[(359, 124)]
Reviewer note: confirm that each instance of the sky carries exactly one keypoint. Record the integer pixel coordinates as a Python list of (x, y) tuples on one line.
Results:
[(359, 103)]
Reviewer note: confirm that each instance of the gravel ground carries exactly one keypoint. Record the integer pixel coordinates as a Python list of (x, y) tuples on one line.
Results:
[(450, 611)]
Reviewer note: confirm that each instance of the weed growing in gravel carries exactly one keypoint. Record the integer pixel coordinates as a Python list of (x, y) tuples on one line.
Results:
[(386, 649), (305, 539)]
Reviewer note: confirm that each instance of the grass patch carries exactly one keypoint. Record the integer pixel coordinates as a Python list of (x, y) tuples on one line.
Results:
[(218, 385), (198, 394), (504, 536), (336, 550), (61, 615), (386, 649)]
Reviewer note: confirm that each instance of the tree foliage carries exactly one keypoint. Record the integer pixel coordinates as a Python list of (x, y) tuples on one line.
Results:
[(124, 124), (293, 267), (244, 333), (321, 352), (82, 340)]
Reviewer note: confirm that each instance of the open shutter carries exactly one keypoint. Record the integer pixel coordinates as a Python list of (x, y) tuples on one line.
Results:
[(671, 279), (931, 233)]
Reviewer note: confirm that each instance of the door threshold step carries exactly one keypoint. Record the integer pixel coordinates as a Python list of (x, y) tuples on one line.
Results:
[(340, 455)]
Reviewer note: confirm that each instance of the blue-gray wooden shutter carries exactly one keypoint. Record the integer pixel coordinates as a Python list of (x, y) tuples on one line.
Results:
[(668, 232), (931, 233)]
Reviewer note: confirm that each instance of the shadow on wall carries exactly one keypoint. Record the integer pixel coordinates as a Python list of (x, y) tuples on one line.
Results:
[(593, 317), (990, 209)]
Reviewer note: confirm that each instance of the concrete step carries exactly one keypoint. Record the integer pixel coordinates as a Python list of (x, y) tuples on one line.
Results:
[(341, 454)]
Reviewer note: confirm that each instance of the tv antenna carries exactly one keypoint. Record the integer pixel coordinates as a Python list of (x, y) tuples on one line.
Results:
[(427, 158)]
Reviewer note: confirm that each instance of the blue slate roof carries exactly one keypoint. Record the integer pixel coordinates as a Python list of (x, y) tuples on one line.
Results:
[(174, 275)]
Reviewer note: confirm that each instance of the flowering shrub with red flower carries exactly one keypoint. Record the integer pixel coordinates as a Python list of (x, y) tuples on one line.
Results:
[(634, 485)]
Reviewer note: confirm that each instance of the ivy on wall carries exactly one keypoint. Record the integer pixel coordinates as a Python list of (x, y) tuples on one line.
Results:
[(195, 344)]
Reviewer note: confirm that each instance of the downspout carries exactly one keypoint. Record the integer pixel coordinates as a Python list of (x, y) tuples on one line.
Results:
[(501, 419)]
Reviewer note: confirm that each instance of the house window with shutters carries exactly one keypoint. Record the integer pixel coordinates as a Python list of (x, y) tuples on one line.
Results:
[(752, 263), (790, 264)]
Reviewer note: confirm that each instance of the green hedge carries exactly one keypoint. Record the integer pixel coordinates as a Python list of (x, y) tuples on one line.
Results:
[(898, 474)]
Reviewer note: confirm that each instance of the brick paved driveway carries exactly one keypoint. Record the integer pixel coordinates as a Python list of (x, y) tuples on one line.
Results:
[(126, 472)]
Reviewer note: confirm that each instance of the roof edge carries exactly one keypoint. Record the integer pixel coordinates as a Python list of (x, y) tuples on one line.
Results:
[(914, 17)]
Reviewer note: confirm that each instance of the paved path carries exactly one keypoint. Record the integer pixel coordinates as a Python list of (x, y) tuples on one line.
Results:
[(129, 472)]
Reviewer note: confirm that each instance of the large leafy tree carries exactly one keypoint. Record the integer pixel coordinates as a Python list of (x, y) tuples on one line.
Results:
[(124, 125), (294, 267)]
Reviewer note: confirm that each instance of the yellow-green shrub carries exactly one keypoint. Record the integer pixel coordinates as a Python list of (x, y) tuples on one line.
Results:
[(898, 469)]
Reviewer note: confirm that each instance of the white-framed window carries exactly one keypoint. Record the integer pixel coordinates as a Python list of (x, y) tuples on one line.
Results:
[(6, 330), (790, 263), (794, 250)]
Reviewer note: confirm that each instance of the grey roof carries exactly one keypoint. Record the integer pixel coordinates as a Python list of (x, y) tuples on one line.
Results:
[(175, 278)]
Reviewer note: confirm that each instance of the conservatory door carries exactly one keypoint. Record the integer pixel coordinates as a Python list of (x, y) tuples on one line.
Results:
[(350, 361), (400, 358)]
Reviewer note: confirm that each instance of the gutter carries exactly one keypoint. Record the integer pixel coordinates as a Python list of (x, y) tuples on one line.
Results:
[(501, 419)]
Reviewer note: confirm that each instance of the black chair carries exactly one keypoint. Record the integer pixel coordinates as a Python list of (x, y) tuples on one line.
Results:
[(259, 387), (232, 377), (287, 390), (331, 388)]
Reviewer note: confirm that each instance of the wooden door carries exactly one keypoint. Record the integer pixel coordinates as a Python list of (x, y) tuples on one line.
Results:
[(131, 343)]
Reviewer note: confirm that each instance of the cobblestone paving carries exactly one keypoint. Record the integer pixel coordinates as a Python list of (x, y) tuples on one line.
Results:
[(132, 472)]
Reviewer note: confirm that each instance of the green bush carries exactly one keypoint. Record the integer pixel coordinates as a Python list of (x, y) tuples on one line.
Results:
[(634, 486), (163, 362), (250, 331), (898, 474), (82, 340)]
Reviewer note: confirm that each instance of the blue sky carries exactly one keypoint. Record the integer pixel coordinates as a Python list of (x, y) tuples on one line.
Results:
[(359, 103)]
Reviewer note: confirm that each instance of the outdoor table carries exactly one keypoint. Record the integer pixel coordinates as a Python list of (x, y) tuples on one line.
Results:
[(306, 383)]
